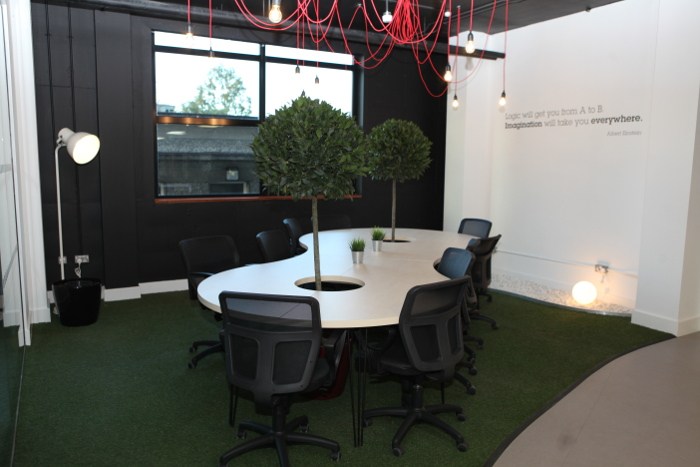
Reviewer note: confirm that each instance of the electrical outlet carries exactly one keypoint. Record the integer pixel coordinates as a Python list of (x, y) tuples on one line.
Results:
[(82, 259)]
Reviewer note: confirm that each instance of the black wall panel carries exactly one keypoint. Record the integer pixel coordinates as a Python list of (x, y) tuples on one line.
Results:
[(94, 73)]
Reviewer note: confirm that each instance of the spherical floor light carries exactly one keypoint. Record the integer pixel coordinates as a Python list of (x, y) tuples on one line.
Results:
[(584, 292)]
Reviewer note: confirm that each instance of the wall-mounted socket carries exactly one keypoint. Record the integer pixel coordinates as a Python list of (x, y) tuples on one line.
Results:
[(82, 259)]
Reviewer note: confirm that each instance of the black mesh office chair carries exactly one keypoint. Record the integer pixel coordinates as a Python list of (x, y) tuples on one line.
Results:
[(456, 263), (296, 227), (429, 348), (475, 227), (273, 245), (483, 250), (203, 257), (272, 350)]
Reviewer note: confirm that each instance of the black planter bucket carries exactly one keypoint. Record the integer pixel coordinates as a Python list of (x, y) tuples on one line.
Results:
[(77, 301)]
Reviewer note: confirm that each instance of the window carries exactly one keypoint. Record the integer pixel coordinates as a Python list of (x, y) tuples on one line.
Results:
[(210, 97)]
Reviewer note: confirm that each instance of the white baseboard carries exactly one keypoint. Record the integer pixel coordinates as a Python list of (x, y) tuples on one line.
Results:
[(662, 323)]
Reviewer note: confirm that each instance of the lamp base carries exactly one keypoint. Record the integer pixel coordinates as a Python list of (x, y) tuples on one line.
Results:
[(77, 301)]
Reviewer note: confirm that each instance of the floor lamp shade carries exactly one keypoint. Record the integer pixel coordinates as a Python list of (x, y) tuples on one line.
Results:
[(82, 147)]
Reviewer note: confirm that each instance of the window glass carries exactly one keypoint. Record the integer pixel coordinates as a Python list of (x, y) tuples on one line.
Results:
[(203, 160), (283, 84), (208, 96), (202, 85)]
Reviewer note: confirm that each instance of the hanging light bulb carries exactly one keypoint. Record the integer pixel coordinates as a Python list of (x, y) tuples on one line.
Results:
[(448, 74), (455, 102), (387, 16), (316, 81), (502, 100), (470, 48), (275, 14), (297, 70), (189, 34)]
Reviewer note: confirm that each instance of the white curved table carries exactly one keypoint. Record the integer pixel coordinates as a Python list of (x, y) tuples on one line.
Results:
[(387, 275)]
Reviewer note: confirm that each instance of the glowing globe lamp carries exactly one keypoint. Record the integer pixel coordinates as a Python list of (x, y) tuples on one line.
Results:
[(584, 292)]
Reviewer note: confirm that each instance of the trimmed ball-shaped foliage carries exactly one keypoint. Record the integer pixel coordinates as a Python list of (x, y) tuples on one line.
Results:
[(398, 151), (310, 149)]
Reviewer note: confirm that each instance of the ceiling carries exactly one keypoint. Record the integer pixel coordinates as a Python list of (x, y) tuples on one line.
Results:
[(521, 12)]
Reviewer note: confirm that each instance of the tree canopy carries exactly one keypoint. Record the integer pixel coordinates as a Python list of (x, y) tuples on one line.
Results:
[(308, 148), (398, 151), (223, 93)]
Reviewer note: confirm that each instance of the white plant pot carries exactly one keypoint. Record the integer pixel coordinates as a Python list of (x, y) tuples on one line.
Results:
[(357, 257), (377, 245)]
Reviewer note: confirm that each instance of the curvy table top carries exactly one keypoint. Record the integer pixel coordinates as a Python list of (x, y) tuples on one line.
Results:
[(387, 275)]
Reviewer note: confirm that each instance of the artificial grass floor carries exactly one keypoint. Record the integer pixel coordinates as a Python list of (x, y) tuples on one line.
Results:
[(119, 393)]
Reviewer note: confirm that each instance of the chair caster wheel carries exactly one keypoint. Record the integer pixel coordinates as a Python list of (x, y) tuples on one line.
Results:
[(494, 326), (461, 417), (471, 390), (335, 456), (241, 434), (462, 446), (193, 349), (366, 422), (192, 365), (473, 371), (304, 428), (398, 452)]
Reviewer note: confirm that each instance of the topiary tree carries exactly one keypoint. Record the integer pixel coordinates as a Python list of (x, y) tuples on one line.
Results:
[(398, 151), (310, 150)]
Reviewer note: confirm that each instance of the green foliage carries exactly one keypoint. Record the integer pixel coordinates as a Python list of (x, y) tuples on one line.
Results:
[(222, 94), (357, 244), (398, 151), (308, 149), (377, 233)]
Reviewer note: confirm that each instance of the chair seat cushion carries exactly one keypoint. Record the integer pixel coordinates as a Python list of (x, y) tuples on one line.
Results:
[(395, 360)]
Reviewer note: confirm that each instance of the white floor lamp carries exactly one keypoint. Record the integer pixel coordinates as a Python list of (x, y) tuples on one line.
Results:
[(82, 148)]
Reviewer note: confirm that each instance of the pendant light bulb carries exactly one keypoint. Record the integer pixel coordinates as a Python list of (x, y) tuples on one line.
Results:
[(297, 70), (387, 16), (317, 81), (448, 74), (275, 15), (470, 48), (455, 102), (502, 100), (189, 34)]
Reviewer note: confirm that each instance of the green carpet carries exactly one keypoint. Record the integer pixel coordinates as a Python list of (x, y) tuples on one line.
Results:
[(119, 393)]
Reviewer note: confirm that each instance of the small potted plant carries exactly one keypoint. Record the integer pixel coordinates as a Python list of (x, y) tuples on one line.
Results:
[(357, 247), (377, 238)]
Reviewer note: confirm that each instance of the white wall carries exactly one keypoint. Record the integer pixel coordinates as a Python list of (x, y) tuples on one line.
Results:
[(567, 192)]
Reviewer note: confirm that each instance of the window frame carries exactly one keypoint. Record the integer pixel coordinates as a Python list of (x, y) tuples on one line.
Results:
[(222, 121)]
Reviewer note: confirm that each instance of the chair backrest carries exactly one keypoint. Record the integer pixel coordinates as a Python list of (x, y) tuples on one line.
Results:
[(296, 227), (483, 251), (476, 227), (455, 262), (273, 245), (333, 222), (431, 327), (272, 342), (207, 255)]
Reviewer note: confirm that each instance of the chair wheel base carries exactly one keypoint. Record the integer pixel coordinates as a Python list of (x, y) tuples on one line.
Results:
[(397, 451), (462, 446), (335, 456)]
